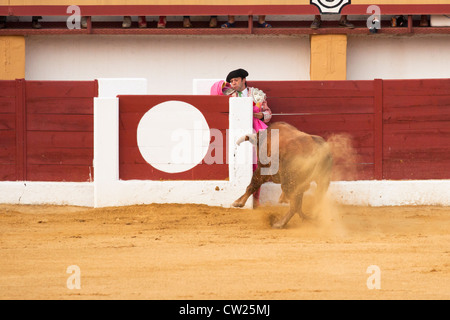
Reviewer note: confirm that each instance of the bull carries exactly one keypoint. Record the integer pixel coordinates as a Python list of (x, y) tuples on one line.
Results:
[(302, 158)]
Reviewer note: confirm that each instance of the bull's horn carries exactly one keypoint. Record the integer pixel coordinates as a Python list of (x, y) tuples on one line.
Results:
[(241, 139), (248, 137), (253, 138)]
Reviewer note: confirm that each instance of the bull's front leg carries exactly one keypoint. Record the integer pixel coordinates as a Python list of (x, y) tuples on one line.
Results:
[(255, 184), (283, 198), (295, 207)]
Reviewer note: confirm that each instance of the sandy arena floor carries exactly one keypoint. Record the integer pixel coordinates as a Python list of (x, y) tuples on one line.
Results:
[(201, 252)]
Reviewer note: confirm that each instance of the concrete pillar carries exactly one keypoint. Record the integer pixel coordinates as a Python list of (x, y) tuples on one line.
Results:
[(328, 57), (12, 57)]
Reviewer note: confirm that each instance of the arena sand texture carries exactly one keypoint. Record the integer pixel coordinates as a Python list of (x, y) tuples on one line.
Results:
[(175, 251)]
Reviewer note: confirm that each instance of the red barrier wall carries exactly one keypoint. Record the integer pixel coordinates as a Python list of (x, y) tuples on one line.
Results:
[(131, 163), (46, 130), (8, 126), (416, 129), (400, 129), (327, 108)]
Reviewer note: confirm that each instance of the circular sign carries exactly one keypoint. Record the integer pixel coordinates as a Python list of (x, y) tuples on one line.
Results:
[(173, 136), (330, 6)]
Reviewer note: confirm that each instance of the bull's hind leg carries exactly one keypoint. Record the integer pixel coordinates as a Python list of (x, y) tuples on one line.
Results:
[(322, 188), (295, 207), (255, 184), (323, 178), (323, 183)]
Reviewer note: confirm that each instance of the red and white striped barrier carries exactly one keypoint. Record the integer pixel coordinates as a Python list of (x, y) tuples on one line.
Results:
[(151, 133)]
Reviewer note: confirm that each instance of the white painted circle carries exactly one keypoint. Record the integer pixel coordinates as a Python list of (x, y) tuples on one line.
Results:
[(173, 136), (330, 4)]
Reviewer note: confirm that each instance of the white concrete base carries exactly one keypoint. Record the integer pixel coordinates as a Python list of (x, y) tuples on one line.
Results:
[(220, 193), (57, 193), (377, 193), (135, 192)]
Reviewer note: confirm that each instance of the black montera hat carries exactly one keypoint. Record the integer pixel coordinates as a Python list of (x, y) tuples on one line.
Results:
[(238, 73)]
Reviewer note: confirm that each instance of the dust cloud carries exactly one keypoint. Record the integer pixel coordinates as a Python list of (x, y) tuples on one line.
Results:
[(345, 157), (322, 215)]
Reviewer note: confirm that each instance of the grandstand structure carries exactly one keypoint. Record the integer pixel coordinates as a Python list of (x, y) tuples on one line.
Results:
[(291, 18)]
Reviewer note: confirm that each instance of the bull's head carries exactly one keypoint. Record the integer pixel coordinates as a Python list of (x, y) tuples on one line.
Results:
[(268, 150)]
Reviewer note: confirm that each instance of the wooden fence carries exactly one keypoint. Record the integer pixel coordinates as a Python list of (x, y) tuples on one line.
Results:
[(46, 130), (132, 165), (398, 129)]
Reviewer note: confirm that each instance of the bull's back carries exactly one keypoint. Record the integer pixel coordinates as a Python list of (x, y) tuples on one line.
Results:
[(293, 142), (296, 146)]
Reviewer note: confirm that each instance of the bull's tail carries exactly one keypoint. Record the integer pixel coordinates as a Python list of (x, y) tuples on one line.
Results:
[(253, 138)]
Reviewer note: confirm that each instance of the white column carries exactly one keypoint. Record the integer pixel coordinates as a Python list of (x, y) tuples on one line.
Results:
[(106, 147), (111, 87), (106, 135), (202, 86), (240, 157)]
